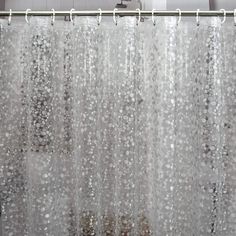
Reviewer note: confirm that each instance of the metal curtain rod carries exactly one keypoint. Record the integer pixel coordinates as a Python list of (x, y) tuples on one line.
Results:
[(119, 13)]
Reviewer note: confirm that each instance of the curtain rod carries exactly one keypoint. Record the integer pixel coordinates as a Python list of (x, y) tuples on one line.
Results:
[(120, 13)]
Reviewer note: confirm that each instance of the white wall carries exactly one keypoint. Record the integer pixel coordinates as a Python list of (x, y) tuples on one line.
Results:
[(188, 4), (110, 4), (79, 4), (60, 4), (150, 4), (104, 4)]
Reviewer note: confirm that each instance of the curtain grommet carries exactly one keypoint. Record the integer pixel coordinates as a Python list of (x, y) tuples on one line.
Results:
[(180, 15), (139, 16), (197, 17), (53, 16), (10, 16), (99, 17), (26, 15), (71, 15), (114, 16), (153, 17), (234, 17), (224, 14)]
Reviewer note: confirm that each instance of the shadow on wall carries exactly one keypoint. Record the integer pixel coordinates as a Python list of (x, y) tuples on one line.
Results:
[(2, 5), (218, 4), (212, 4)]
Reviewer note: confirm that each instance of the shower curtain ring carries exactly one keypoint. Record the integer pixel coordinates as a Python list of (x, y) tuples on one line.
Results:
[(71, 16), (224, 13), (235, 17), (139, 16), (53, 16), (26, 15), (180, 14), (153, 18), (99, 18), (197, 17), (9, 18), (114, 16)]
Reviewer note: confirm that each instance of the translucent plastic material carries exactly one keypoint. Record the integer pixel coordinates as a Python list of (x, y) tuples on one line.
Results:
[(118, 130)]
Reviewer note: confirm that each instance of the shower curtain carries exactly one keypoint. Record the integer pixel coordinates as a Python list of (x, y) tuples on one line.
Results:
[(126, 130)]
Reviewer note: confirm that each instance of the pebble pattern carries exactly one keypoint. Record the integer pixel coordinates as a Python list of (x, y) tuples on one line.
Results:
[(118, 130)]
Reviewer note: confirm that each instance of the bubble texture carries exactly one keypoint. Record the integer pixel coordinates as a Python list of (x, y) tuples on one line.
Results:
[(118, 130)]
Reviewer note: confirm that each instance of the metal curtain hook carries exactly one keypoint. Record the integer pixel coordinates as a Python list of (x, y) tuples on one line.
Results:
[(26, 15), (180, 14), (100, 16), (224, 13), (235, 17), (197, 17), (71, 16), (153, 18), (139, 16), (53, 16), (114, 16), (9, 18)]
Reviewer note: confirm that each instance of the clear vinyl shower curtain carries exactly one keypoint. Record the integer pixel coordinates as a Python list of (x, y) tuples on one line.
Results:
[(118, 130)]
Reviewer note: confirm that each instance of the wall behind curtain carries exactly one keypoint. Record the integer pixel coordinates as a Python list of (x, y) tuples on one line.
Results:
[(147, 4), (64, 4)]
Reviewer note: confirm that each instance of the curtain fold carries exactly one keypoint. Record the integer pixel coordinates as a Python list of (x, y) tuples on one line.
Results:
[(118, 130)]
